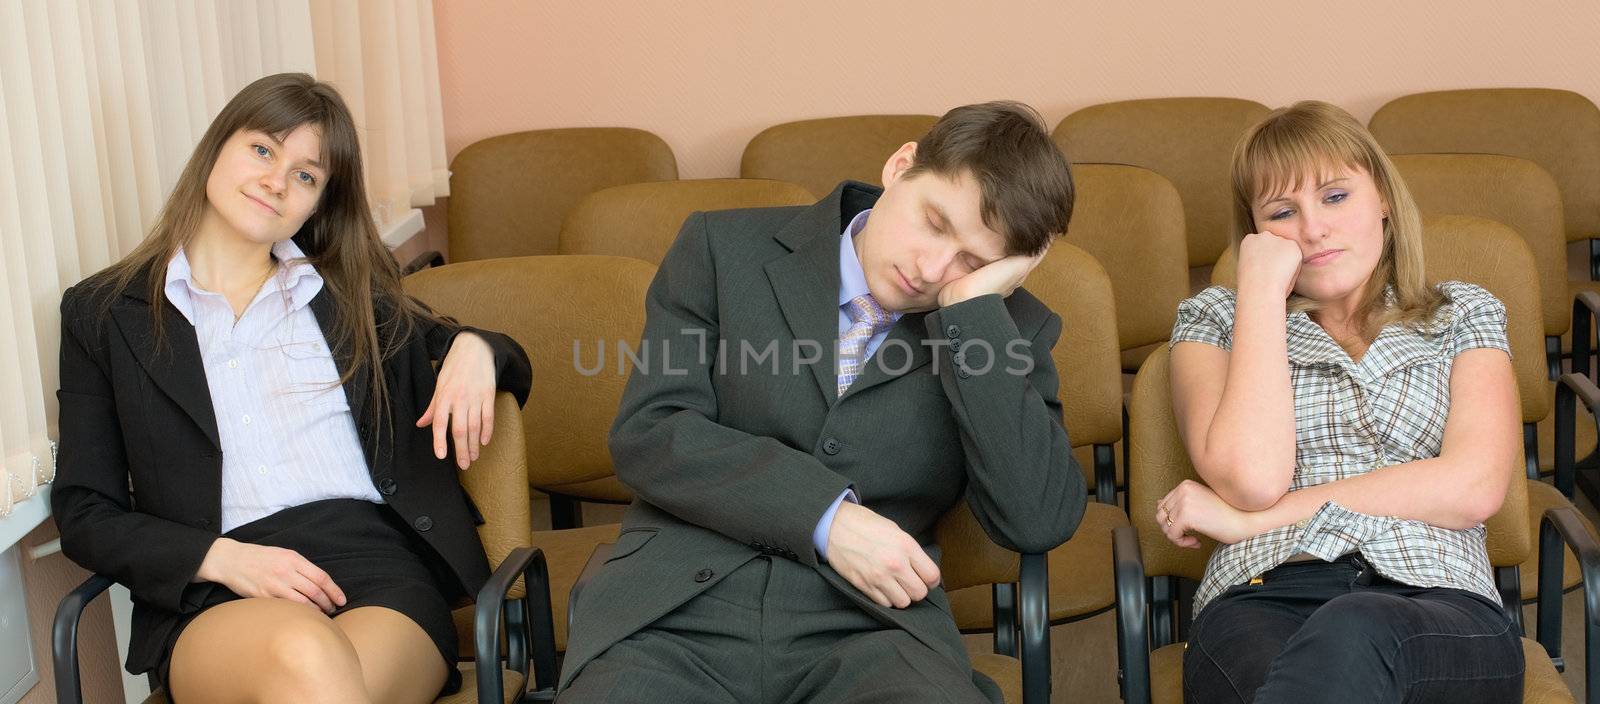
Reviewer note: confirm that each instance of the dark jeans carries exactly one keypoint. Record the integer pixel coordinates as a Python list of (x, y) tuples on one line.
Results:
[(1320, 632)]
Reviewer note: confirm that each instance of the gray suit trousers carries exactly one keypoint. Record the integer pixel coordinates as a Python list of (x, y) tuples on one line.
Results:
[(774, 632)]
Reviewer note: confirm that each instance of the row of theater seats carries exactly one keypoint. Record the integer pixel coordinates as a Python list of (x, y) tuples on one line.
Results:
[(556, 444), (1507, 178)]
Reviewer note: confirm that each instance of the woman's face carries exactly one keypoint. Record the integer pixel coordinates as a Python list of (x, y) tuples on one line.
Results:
[(264, 189), (1336, 216)]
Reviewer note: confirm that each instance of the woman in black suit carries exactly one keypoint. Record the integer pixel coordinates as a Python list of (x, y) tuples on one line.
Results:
[(254, 439)]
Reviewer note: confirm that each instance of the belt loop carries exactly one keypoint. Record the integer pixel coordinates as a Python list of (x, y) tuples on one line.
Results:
[(1364, 571)]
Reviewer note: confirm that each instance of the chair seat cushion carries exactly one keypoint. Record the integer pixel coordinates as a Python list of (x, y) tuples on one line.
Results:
[(1006, 672), (1080, 575)]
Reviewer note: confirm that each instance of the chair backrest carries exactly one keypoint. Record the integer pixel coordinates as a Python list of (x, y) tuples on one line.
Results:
[(498, 484), (571, 314), (642, 220), (1188, 140), (1509, 190), (1492, 255), (509, 194), (1074, 285), (1460, 248), (1131, 220), (818, 154), (1557, 129)]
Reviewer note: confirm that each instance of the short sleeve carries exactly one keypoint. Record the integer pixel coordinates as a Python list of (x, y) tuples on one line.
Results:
[(1206, 317), (1479, 319)]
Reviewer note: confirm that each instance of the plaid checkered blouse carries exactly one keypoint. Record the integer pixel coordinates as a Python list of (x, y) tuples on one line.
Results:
[(1351, 418)]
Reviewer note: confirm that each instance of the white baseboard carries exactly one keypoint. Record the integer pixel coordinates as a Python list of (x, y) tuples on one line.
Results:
[(399, 232)]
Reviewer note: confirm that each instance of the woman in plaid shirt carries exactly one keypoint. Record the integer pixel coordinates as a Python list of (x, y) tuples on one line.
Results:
[(1353, 425)]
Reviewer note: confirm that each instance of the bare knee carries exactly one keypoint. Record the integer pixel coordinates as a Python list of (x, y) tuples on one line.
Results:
[(265, 650), (310, 659)]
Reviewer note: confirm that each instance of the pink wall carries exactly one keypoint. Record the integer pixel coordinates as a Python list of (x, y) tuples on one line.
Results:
[(707, 76)]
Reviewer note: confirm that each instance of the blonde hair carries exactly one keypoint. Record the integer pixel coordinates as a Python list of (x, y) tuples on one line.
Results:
[(1307, 139)]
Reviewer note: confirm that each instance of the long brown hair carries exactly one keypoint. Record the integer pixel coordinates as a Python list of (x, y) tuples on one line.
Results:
[(1306, 139), (340, 238)]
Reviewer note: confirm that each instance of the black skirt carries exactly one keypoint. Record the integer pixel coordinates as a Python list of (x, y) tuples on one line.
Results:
[(366, 550)]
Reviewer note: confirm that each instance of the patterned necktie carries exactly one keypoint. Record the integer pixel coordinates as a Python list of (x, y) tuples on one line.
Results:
[(867, 319)]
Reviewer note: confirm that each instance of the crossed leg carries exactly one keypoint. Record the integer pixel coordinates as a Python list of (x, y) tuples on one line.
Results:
[(272, 650)]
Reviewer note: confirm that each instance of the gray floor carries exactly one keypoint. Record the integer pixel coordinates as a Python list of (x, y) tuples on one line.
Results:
[(1084, 667)]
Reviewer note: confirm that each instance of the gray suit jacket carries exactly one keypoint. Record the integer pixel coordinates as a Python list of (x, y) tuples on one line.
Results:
[(733, 442)]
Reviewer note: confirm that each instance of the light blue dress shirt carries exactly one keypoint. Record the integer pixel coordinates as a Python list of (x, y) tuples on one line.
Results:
[(852, 283)]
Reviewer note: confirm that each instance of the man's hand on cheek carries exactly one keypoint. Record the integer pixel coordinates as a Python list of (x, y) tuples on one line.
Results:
[(1002, 276)]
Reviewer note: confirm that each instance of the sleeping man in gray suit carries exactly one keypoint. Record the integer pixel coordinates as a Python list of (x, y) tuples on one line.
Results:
[(833, 379)]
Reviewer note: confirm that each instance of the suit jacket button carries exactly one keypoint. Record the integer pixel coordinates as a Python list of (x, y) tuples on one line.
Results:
[(832, 446), (387, 486), (423, 524), (954, 331), (704, 576)]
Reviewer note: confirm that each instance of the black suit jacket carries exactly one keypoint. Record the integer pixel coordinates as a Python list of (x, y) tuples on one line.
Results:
[(731, 457), (137, 493)]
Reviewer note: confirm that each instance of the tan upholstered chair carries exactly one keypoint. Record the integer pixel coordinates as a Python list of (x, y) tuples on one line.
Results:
[(1188, 140), (498, 486), (1131, 220), (642, 220), (1557, 129), (509, 194), (818, 154), (1520, 194), (561, 309), (1457, 247), (1076, 287), (1512, 191), (1151, 662)]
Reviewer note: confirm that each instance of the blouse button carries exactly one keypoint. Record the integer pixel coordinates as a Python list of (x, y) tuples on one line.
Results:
[(233, 364)]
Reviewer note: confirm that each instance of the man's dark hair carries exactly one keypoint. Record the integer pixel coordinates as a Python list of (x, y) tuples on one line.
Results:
[(1026, 185)]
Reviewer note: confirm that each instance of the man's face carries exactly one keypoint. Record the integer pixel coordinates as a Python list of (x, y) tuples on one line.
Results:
[(924, 232)]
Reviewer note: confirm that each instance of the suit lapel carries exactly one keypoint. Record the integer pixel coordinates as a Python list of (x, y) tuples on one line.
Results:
[(806, 284), (357, 391), (174, 364)]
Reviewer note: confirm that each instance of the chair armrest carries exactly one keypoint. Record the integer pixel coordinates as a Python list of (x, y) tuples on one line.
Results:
[(1585, 313), (422, 261), (1563, 522), (539, 635), (64, 636), (1571, 387), (1133, 639), (1033, 597)]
